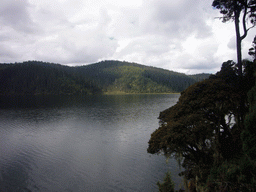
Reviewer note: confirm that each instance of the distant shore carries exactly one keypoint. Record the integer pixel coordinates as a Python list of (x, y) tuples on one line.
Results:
[(125, 93)]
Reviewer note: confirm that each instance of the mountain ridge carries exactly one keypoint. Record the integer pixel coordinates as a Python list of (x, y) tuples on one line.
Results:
[(111, 76)]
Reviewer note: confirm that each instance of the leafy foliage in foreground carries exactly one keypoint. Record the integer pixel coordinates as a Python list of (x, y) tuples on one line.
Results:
[(201, 130), (34, 77)]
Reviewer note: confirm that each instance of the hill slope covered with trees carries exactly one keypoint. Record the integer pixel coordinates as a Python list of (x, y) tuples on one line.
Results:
[(36, 77)]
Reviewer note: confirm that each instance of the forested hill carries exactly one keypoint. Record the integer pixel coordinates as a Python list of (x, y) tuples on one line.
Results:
[(36, 77)]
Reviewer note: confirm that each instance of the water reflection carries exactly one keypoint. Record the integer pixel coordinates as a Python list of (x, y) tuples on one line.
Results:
[(92, 143)]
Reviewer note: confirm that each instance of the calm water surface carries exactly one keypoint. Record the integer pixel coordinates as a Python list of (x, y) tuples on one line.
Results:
[(92, 143)]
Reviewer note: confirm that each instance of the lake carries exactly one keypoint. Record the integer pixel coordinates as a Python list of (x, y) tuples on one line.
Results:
[(85, 143)]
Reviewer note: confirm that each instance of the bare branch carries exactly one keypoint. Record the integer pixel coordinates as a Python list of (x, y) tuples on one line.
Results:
[(244, 23), (251, 27)]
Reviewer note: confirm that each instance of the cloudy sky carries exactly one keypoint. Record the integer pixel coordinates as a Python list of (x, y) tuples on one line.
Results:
[(179, 35)]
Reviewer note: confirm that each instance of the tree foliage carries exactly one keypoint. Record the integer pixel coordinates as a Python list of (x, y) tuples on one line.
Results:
[(202, 127), (230, 9), (249, 134)]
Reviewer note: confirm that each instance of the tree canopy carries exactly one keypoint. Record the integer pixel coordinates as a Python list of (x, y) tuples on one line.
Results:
[(201, 130)]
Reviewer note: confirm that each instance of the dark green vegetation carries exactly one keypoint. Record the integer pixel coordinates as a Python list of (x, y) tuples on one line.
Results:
[(35, 77), (211, 130), (32, 77), (202, 131)]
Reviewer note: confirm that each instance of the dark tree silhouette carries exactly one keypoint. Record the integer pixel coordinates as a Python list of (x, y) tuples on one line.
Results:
[(236, 10), (202, 130)]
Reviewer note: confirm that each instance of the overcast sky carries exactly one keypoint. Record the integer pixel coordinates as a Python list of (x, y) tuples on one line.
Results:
[(178, 35)]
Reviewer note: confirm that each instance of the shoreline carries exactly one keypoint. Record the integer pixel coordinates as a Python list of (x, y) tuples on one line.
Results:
[(124, 93)]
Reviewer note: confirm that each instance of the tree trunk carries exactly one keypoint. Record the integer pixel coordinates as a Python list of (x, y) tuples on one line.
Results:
[(238, 43), (241, 107)]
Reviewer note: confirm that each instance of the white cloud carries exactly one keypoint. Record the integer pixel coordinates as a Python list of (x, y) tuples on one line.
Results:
[(180, 35), (15, 14)]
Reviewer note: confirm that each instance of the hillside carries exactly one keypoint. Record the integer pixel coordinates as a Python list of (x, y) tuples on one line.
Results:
[(36, 77)]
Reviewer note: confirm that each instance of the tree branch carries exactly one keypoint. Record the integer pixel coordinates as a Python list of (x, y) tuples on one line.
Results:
[(244, 22)]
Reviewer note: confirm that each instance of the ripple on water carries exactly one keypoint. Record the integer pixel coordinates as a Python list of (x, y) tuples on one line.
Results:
[(87, 146)]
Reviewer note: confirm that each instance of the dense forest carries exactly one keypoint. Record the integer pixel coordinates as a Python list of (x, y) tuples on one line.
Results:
[(36, 77)]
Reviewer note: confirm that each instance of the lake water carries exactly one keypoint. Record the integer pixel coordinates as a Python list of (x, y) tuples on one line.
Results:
[(90, 143)]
